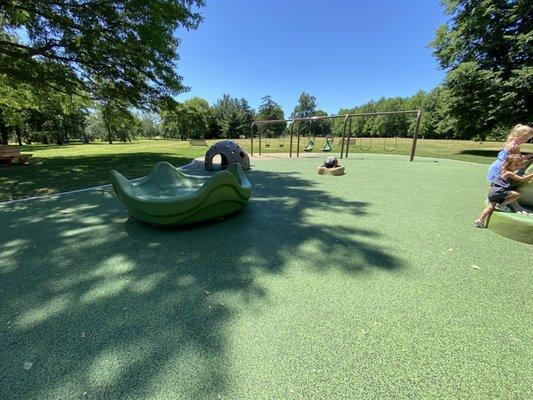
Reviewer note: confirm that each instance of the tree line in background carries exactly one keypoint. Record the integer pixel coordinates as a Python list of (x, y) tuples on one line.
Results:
[(107, 72)]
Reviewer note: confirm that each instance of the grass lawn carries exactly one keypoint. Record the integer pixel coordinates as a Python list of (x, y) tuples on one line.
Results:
[(63, 168), (464, 150), (370, 285)]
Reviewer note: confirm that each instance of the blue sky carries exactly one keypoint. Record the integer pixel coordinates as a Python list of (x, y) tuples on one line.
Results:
[(343, 52)]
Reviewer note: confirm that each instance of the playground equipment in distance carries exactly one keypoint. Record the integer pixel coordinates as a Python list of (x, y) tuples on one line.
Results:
[(346, 137)]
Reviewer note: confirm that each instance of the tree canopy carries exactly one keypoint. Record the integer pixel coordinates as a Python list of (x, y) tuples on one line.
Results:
[(234, 116), (122, 50), (486, 49), (187, 120), (269, 110), (306, 106), (496, 34)]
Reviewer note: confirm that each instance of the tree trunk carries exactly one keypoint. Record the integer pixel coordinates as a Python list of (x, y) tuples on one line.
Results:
[(19, 136), (109, 137), (5, 133), (60, 138), (3, 129)]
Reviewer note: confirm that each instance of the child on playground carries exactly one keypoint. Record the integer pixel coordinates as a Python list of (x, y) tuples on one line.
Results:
[(519, 134), (502, 190)]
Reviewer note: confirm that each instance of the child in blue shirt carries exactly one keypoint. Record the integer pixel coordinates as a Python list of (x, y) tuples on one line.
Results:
[(519, 134), (502, 191)]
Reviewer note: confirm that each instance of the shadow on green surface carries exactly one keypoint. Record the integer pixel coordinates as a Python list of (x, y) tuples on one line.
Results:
[(59, 174), (481, 153), (104, 305), (73, 144), (491, 154)]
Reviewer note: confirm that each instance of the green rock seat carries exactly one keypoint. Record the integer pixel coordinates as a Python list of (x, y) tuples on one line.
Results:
[(169, 197), (526, 191), (516, 226), (512, 225)]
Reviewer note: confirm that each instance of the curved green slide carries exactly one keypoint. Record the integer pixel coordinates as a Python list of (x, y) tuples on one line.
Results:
[(169, 197), (516, 226)]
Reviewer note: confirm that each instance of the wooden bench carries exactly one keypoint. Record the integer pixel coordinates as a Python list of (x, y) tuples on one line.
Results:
[(197, 142), (10, 155)]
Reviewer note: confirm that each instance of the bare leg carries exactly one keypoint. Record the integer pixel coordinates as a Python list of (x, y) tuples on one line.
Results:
[(487, 211), (513, 196), (516, 207)]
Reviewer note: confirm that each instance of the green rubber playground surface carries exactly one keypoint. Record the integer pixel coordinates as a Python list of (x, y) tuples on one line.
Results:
[(374, 284)]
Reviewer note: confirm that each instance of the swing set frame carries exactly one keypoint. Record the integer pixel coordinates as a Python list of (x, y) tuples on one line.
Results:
[(346, 131)]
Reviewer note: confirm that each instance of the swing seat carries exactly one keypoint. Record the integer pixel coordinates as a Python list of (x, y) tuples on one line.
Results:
[(327, 146), (393, 147), (309, 146), (369, 140), (169, 197)]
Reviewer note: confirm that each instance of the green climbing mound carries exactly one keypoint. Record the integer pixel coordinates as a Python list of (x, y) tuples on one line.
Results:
[(526, 191), (169, 197), (516, 226), (513, 226)]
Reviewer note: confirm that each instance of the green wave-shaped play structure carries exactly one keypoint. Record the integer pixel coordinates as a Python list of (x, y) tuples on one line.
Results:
[(526, 191), (516, 226), (169, 197), (512, 225)]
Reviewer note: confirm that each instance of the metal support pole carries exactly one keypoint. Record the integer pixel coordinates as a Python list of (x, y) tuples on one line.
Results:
[(252, 138), (349, 135), (298, 140), (290, 143), (415, 136), (343, 134), (259, 133)]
